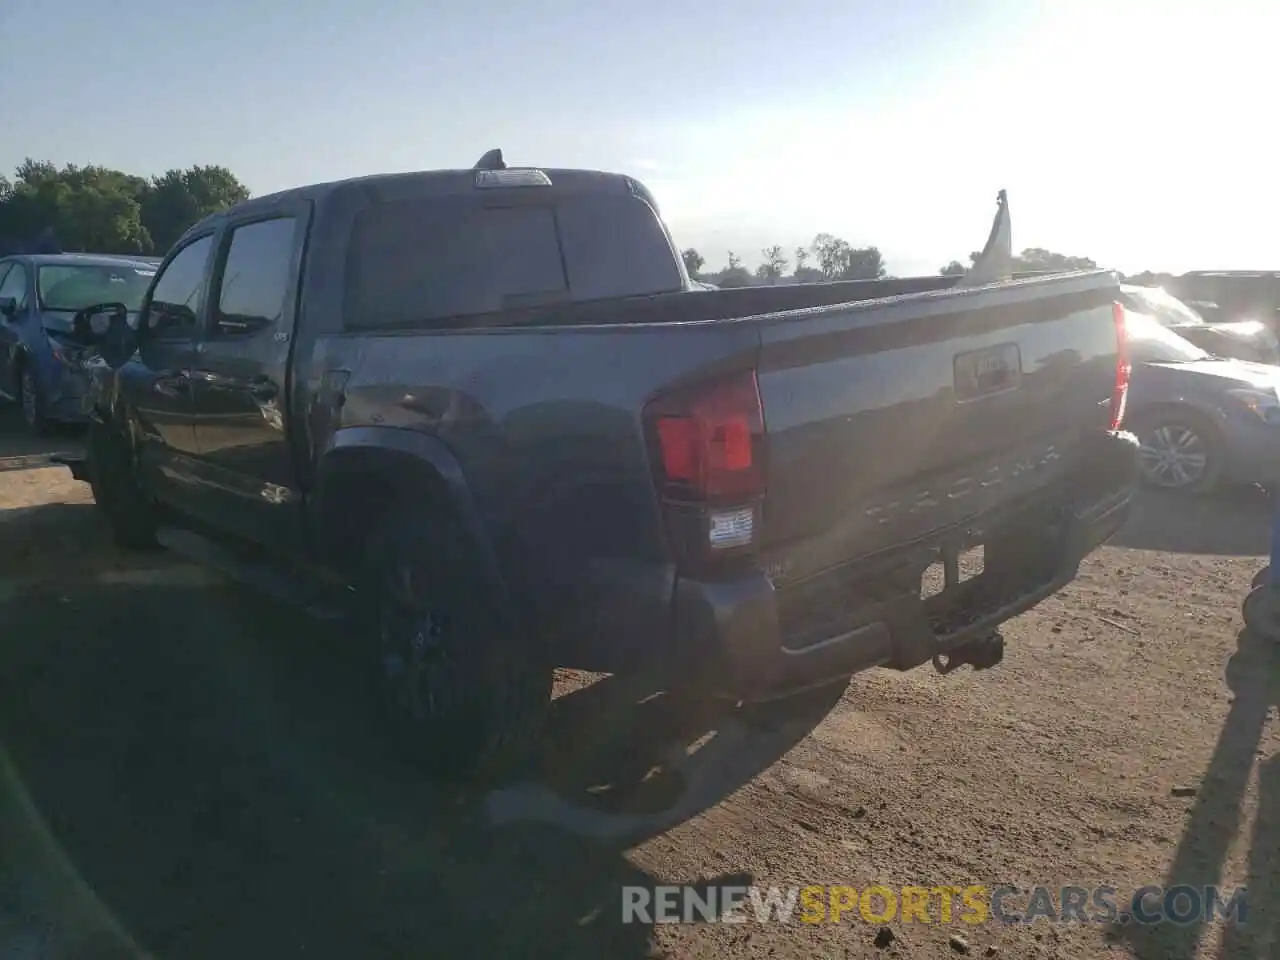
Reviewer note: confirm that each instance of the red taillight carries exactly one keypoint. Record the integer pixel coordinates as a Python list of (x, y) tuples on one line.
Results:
[(1120, 392), (709, 440)]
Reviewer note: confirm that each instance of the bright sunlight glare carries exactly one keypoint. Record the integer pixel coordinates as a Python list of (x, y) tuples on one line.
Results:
[(1132, 133)]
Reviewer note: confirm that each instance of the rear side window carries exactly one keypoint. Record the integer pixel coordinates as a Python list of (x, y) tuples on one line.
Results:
[(428, 261), (255, 277)]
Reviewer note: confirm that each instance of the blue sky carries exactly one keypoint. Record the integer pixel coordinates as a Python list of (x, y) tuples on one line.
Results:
[(1139, 133)]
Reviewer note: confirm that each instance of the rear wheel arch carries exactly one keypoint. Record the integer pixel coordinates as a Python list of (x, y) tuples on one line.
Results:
[(460, 685), (369, 473)]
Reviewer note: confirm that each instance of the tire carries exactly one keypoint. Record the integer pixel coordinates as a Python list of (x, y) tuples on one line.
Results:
[(1180, 451), (462, 696), (30, 402), (131, 514)]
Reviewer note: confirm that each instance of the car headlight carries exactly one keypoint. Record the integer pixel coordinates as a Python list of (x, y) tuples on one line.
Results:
[(1263, 403)]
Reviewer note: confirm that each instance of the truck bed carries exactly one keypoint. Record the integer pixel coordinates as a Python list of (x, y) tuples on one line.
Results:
[(877, 436)]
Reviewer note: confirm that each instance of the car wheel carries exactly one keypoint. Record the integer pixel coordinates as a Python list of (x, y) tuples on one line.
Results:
[(461, 695), (1179, 452), (31, 402), (131, 514)]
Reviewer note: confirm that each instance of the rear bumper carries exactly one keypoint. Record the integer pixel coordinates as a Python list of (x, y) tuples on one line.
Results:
[(736, 635)]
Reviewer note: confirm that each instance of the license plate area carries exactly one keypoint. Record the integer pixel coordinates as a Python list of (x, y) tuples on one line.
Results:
[(953, 567), (991, 370)]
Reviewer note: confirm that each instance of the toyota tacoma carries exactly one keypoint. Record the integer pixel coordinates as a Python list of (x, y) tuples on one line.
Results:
[(485, 418)]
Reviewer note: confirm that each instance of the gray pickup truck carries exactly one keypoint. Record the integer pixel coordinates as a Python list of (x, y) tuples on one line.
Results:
[(484, 416)]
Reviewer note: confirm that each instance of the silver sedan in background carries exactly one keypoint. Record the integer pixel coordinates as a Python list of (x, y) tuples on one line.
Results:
[(1241, 339), (1201, 419)]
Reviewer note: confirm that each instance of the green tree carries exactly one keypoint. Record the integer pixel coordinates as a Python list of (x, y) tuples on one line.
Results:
[(1036, 260), (734, 275), (831, 254), (774, 265), (1039, 259), (865, 263), (85, 208), (803, 272), (838, 260), (693, 261), (953, 269), (97, 209), (176, 199), (103, 217)]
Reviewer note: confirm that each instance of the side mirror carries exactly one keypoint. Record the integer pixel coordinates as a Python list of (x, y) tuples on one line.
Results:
[(105, 326), (8, 307)]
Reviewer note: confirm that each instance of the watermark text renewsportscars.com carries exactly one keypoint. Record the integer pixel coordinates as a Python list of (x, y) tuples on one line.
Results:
[(970, 904)]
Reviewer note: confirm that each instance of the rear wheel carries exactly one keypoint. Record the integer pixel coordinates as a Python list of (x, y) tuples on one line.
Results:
[(132, 515), (461, 694), (1179, 451)]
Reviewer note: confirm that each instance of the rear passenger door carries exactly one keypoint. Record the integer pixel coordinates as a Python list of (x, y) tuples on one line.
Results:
[(240, 378)]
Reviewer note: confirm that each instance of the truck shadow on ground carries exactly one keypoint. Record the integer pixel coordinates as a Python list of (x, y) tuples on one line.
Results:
[(1253, 675), (1233, 522), (209, 768)]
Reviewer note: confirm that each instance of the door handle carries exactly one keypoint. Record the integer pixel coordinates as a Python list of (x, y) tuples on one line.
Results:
[(263, 390), (177, 384)]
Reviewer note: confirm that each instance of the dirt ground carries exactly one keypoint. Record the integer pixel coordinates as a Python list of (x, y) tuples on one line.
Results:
[(189, 771)]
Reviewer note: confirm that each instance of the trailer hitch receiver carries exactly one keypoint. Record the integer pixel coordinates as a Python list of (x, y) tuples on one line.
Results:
[(981, 654)]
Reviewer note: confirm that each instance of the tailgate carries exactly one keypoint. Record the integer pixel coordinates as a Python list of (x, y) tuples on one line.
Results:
[(892, 419)]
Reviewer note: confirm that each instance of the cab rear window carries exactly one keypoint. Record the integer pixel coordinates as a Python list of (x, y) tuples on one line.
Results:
[(432, 261)]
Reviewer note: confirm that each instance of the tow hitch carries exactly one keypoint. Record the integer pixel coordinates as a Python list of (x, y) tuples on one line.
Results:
[(981, 654)]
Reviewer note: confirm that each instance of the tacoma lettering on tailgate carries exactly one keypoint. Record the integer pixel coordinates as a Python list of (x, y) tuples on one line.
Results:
[(1010, 476)]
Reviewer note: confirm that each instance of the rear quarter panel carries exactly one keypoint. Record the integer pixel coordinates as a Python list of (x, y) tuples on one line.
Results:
[(545, 424)]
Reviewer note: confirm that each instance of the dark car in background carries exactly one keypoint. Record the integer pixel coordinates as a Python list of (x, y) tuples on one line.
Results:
[(1240, 340), (1201, 420), (1232, 295), (40, 362)]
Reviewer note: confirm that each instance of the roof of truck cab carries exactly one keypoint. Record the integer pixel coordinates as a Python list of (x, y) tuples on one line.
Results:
[(574, 180)]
